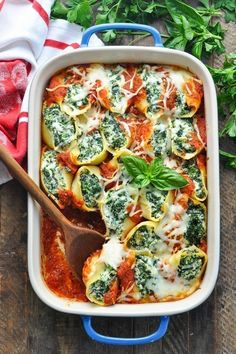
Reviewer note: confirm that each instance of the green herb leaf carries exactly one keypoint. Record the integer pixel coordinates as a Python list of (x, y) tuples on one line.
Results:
[(197, 49), (159, 176), (230, 126), (141, 181), (81, 13), (154, 166), (59, 10), (135, 166), (178, 8), (168, 179), (229, 158)]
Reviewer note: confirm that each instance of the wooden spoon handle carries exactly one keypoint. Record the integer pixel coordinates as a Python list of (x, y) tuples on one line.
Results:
[(18, 172)]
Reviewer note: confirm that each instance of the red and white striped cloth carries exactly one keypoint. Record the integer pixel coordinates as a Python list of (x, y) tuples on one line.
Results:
[(28, 39)]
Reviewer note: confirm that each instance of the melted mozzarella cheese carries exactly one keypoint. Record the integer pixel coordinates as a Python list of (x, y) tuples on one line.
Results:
[(112, 253), (170, 226), (97, 72), (178, 78)]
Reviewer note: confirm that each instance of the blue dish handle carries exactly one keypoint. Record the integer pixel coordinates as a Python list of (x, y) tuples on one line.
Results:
[(121, 26), (159, 333)]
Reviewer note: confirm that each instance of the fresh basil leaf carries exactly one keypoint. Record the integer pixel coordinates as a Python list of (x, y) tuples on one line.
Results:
[(154, 166), (135, 166), (197, 49), (177, 8), (168, 179), (188, 32), (178, 42), (141, 181)]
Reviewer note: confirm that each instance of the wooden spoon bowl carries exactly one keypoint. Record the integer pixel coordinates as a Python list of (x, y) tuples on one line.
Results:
[(80, 242)]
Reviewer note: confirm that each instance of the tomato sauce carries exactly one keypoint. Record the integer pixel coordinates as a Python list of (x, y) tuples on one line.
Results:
[(56, 271), (111, 295), (201, 123), (125, 274), (58, 94), (189, 189)]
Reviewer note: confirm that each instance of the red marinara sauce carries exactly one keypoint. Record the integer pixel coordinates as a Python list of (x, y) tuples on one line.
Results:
[(56, 271)]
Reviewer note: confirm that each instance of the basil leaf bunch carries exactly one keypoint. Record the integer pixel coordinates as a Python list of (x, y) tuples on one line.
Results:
[(190, 30), (188, 27), (225, 79), (155, 173)]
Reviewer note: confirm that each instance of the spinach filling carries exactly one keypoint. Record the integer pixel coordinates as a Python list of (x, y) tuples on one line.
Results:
[(182, 107), (144, 238), (160, 140), (76, 96), (61, 126), (156, 199), (115, 210), (90, 145), (196, 225), (113, 133), (190, 265), (117, 96), (100, 287), (183, 128), (52, 173), (145, 273), (191, 168), (153, 91), (90, 187)]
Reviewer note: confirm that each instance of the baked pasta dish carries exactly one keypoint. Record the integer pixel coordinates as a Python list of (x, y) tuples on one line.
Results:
[(124, 152)]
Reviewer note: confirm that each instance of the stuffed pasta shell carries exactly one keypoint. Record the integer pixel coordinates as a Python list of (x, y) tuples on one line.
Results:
[(87, 188), (89, 149), (196, 223), (183, 92), (77, 100), (100, 273), (143, 239), (115, 86), (154, 202), (196, 171), (59, 130), (160, 141), (56, 178), (100, 281), (149, 100), (186, 142), (115, 209), (117, 138)]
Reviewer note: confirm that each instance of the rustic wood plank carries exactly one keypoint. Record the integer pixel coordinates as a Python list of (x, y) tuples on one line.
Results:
[(202, 329), (144, 327), (176, 340), (14, 310), (226, 285)]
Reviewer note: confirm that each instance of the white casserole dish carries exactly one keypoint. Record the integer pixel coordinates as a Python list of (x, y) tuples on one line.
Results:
[(117, 54)]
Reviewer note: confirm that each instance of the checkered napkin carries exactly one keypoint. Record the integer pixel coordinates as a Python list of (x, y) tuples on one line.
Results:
[(28, 39)]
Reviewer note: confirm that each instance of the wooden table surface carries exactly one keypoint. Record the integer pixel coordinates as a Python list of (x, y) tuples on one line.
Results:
[(28, 326)]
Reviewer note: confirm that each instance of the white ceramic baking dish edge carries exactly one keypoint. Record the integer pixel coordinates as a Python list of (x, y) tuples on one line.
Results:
[(117, 54)]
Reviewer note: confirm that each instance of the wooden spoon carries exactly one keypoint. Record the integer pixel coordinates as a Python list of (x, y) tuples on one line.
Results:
[(80, 242)]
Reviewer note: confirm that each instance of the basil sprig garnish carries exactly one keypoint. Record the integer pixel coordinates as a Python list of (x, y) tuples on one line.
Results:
[(160, 176)]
